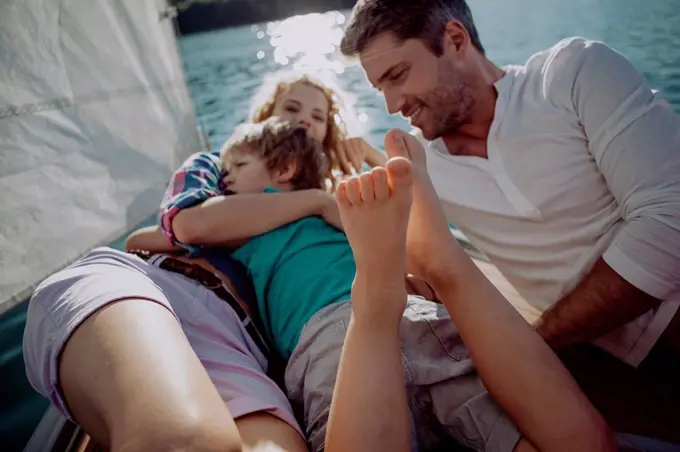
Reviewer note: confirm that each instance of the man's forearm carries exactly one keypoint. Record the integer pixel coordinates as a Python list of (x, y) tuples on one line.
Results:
[(227, 218), (602, 302)]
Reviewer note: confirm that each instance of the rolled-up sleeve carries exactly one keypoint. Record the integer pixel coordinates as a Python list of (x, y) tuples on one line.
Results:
[(634, 137), (197, 180)]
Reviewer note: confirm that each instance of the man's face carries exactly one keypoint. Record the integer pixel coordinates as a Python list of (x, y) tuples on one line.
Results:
[(431, 91)]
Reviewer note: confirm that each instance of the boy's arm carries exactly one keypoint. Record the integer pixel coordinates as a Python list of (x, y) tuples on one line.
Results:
[(193, 210)]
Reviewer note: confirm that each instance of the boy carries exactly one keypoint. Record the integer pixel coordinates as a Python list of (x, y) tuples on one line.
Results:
[(303, 274)]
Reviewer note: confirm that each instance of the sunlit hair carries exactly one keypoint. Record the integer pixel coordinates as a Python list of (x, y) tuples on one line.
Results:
[(277, 84), (280, 143), (406, 19)]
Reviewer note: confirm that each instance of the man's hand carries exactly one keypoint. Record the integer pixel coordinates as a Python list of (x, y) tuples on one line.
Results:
[(602, 302)]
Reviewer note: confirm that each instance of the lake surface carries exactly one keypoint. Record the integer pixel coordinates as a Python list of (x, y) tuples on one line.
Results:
[(224, 68)]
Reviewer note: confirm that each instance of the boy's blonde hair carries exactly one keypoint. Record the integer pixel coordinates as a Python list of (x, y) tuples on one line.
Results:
[(279, 143), (279, 83)]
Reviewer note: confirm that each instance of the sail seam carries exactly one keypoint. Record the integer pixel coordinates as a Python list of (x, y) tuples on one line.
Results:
[(13, 111)]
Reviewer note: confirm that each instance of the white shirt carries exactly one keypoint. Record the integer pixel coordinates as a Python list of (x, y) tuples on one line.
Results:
[(583, 162)]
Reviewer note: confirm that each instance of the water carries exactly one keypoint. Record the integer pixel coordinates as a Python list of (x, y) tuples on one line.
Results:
[(223, 69)]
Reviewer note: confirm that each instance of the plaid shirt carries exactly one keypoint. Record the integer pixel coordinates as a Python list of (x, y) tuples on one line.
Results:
[(198, 179)]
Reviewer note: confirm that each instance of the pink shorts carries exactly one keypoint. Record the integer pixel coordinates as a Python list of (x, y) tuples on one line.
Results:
[(64, 300)]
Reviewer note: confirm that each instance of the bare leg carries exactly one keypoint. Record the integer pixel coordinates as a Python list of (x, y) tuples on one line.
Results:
[(518, 368), (267, 433), (133, 382), (369, 411), (102, 342), (156, 396)]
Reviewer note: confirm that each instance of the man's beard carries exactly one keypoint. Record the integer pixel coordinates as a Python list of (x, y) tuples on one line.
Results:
[(448, 106)]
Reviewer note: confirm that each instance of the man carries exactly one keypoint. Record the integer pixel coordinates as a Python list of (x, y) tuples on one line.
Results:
[(565, 172)]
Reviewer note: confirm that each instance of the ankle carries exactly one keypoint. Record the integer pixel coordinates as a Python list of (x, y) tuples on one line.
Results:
[(380, 278), (378, 301), (375, 331)]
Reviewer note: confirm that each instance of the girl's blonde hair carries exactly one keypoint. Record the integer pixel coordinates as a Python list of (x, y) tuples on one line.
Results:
[(277, 84)]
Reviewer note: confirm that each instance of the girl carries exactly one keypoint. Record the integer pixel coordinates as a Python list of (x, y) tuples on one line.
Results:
[(302, 99)]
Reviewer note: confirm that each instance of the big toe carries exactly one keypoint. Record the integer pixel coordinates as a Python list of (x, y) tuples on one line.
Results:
[(399, 173), (395, 145), (415, 150)]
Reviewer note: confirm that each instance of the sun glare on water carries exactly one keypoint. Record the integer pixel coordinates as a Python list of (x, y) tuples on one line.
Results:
[(311, 43), (308, 42)]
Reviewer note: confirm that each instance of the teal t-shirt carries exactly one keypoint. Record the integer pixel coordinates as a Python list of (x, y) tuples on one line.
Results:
[(297, 269)]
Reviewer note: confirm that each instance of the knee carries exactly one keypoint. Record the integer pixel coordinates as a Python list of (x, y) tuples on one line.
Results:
[(187, 436)]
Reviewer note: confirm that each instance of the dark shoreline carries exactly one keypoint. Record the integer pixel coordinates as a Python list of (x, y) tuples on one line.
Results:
[(201, 17)]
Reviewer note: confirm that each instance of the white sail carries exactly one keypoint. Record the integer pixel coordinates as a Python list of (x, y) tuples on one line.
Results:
[(94, 117)]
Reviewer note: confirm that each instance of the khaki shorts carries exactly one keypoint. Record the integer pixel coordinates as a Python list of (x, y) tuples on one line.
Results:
[(447, 398)]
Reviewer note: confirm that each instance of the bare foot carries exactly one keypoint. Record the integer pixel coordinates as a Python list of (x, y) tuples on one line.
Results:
[(429, 243), (374, 208)]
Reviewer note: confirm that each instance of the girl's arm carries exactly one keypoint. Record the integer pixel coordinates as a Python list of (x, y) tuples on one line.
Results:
[(194, 211), (374, 157), (223, 219), (352, 152)]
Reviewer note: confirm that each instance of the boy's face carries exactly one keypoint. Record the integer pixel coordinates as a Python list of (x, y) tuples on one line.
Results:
[(248, 174)]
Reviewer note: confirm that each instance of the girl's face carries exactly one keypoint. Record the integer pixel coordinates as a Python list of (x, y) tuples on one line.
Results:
[(305, 106)]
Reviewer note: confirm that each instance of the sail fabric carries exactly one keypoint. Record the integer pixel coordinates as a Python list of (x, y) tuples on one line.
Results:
[(94, 117)]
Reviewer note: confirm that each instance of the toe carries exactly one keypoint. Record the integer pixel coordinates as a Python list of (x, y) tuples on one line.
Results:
[(394, 144), (399, 173), (415, 149), (381, 186), (354, 190), (367, 194), (341, 195)]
